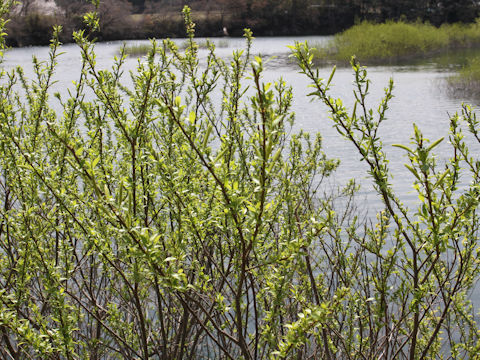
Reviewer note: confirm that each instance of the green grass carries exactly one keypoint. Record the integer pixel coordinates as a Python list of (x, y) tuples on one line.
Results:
[(467, 81), (397, 41), (471, 71), (203, 44), (138, 50)]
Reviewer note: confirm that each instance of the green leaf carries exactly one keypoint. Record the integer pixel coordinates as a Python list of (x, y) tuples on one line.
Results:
[(95, 162), (435, 144), (406, 148), (191, 118)]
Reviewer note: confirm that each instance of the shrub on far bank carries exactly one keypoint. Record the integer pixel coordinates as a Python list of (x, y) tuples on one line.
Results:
[(397, 41), (462, 35)]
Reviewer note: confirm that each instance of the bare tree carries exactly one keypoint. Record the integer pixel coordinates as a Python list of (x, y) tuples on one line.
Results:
[(115, 19)]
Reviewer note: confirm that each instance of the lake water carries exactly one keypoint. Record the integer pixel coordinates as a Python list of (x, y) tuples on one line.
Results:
[(420, 97)]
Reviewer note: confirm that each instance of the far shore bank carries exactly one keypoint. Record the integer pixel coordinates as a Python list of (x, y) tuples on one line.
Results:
[(142, 19), (36, 28)]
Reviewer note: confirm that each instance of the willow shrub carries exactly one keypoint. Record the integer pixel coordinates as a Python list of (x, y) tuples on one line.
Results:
[(422, 263), (395, 41), (180, 218)]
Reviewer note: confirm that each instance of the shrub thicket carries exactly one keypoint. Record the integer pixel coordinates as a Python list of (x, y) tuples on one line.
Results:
[(180, 218), (398, 41)]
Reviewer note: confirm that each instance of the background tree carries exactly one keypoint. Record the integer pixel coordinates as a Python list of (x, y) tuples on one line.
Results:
[(73, 11), (116, 22), (454, 11)]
